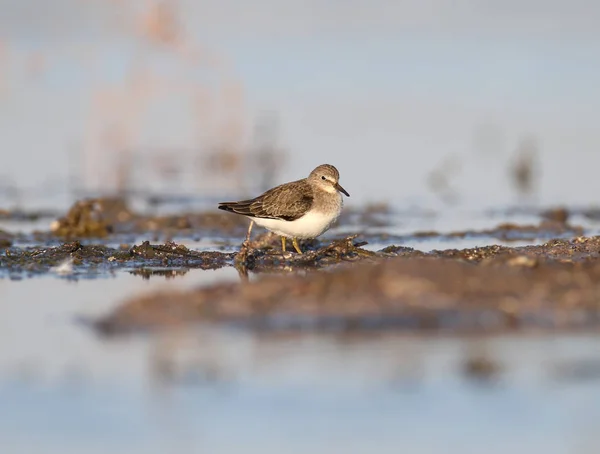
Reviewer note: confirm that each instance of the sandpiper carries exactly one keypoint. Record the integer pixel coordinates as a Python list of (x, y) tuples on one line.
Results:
[(300, 209)]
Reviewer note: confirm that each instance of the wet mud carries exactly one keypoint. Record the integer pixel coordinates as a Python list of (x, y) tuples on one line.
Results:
[(100, 218), (6, 239), (512, 232), (19, 215), (506, 232), (491, 289)]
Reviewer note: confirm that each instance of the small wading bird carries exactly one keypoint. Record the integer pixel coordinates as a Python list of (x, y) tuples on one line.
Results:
[(301, 209)]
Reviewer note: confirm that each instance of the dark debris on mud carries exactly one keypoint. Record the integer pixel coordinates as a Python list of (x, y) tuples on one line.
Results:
[(264, 254), (85, 257)]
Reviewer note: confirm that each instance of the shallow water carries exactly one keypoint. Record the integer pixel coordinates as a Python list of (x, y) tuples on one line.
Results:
[(221, 390)]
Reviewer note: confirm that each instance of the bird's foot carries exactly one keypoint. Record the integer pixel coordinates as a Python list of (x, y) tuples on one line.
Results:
[(242, 255)]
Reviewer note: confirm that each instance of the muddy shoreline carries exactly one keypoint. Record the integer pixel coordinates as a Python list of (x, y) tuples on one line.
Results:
[(337, 284), (554, 286)]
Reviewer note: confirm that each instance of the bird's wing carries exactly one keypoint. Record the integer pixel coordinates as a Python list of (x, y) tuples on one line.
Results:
[(289, 201)]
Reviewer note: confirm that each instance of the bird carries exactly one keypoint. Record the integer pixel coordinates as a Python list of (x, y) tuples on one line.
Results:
[(300, 209)]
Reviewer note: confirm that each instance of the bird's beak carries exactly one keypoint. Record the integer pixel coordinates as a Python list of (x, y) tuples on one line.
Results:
[(342, 190)]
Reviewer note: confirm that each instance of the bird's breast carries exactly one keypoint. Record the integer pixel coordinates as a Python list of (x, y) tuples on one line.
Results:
[(311, 225)]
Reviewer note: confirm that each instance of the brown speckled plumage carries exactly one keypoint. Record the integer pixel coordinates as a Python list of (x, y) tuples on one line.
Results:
[(288, 201)]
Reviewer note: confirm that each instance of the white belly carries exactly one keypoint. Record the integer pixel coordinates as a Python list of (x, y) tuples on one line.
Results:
[(311, 225)]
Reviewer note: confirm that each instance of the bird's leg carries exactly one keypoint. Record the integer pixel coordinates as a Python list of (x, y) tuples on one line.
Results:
[(295, 243), (282, 244), (242, 256), (249, 232)]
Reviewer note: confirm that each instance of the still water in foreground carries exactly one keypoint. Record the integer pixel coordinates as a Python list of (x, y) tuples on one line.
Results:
[(65, 389)]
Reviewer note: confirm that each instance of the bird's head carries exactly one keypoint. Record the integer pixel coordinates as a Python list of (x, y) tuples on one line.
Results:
[(327, 178)]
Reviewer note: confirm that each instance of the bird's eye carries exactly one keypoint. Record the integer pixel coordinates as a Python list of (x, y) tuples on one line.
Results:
[(323, 178)]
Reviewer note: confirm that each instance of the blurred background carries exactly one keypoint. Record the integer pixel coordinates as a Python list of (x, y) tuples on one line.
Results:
[(419, 103), (471, 101)]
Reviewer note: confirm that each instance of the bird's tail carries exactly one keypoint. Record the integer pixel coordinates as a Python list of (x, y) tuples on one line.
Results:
[(237, 207)]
